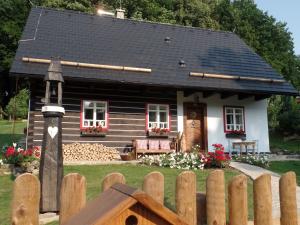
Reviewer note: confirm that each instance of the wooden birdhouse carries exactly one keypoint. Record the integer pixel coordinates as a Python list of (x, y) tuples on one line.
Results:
[(124, 205)]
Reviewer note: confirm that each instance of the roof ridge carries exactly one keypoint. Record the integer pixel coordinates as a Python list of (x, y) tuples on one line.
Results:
[(134, 20)]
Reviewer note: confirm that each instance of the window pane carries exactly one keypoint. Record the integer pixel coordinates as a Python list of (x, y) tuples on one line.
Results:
[(152, 107), (229, 119), (152, 116), (163, 107), (100, 114), (238, 110), (88, 104), (88, 114), (100, 123), (163, 116), (229, 110), (100, 104), (239, 119)]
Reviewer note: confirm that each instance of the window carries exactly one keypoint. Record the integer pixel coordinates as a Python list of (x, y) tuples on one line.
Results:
[(157, 116), (234, 118), (94, 113)]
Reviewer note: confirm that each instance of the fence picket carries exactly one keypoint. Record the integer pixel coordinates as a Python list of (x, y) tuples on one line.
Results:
[(186, 197), (237, 201), (153, 185), (215, 198), (288, 203), (26, 199), (72, 196), (112, 179), (262, 194), (201, 208)]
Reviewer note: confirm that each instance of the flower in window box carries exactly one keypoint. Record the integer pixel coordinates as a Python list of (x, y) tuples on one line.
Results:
[(95, 130), (159, 130), (238, 132)]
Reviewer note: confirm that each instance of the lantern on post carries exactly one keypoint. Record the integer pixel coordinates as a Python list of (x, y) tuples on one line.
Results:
[(51, 166)]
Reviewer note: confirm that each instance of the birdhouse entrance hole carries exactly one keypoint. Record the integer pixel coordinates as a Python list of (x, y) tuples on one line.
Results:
[(131, 220)]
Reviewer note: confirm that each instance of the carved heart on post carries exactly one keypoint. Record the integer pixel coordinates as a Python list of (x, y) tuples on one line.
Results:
[(52, 131)]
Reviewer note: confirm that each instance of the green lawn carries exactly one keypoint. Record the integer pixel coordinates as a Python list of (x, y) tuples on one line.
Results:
[(6, 132), (285, 166), (277, 143), (134, 176)]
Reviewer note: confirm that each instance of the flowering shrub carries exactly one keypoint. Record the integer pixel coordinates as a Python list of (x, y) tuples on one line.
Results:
[(218, 158), (180, 160), (256, 160), (190, 160), (196, 148), (16, 155)]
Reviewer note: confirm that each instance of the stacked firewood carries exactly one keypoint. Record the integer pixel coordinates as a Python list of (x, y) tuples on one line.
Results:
[(89, 152)]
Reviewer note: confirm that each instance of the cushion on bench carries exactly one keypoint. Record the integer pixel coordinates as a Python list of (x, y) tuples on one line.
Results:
[(142, 144), (164, 144), (153, 144)]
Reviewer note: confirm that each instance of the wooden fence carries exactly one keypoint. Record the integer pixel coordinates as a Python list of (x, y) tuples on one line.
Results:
[(194, 208)]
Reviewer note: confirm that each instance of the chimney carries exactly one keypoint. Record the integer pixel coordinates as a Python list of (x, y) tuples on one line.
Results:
[(120, 13)]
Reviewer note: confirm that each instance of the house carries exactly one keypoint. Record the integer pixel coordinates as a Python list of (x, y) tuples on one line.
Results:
[(122, 204), (131, 77)]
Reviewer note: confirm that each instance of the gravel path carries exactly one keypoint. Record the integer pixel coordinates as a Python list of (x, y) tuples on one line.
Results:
[(254, 172)]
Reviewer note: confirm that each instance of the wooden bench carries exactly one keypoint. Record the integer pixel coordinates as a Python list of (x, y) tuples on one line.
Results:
[(145, 146)]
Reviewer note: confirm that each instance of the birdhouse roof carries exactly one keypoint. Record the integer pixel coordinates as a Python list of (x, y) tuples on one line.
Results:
[(117, 199)]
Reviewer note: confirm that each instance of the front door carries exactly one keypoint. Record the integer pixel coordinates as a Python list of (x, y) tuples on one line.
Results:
[(195, 129)]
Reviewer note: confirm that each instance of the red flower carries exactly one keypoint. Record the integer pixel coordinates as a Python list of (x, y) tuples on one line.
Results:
[(10, 151)]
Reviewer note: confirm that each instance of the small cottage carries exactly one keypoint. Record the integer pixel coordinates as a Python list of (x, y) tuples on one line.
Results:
[(149, 82)]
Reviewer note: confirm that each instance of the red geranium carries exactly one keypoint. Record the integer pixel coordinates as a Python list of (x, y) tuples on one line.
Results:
[(14, 155), (10, 151), (218, 158)]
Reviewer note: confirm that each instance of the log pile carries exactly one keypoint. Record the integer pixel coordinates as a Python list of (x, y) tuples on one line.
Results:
[(89, 152)]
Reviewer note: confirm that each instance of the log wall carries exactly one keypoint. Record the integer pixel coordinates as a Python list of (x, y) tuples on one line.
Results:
[(127, 108)]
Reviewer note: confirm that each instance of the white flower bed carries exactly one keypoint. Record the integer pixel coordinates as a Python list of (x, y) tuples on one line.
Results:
[(186, 161), (256, 160)]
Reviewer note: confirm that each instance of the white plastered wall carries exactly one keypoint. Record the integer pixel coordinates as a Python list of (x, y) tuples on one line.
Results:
[(256, 121)]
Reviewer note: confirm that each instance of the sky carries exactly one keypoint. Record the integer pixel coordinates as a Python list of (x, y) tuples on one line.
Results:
[(285, 11)]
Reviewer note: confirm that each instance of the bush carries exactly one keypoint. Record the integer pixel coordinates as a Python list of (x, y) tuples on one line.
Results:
[(190, 160), (18, 105), (180, 160), (256, 160), (218, 158)]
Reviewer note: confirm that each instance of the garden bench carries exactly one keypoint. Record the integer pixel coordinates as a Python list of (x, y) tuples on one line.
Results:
[(153, 146)]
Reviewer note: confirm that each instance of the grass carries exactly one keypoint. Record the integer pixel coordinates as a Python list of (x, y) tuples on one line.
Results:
[(134, 176), (285, 166), (278, 143), (6, 132)]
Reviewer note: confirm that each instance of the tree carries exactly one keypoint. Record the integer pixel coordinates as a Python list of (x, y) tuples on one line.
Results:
[(77, 5), (13, 14), (18, 105)]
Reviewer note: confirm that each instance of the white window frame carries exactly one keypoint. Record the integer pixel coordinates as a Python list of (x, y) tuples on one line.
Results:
[(94, 113), (234, 126), (158, 110)]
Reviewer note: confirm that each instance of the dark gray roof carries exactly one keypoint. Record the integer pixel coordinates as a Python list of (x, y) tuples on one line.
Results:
[(86, 38)]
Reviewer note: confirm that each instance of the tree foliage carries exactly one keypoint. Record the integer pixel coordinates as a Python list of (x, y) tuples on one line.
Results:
[(18, 105), (263, 33)]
